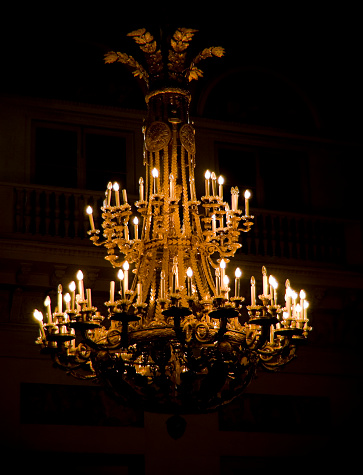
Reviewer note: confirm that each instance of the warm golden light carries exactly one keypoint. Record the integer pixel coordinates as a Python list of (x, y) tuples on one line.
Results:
[(120, 274), (155, 172), (238, 273), (89, 210), (189, 272), (38, 315)]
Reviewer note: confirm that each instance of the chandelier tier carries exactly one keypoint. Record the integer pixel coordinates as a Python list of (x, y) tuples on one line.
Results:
[(173, 336)]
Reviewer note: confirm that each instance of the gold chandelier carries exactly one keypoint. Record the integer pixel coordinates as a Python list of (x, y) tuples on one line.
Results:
[(173, 337)]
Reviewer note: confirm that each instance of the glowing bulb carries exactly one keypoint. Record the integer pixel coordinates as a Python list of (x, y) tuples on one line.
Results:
[(136, 220), (302, 294), (273, 282), (72, 286), (247, 194), (38, 315), (189, 272), (155, 172), (116, 186), (207, 175), (126, 265), (238, 273), (120, 274), (89, 210), (223, 264), (80, 275), (220, 180)]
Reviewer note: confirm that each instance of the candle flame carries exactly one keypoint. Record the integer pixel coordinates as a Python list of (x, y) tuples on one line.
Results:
[(80, 275), (47, 301), (136, 220), (273, 281), (189, 272), (67, 297), (72, 286), (207, 175), (302, 294), (120, 274), (238, 273), (38, 315), (126, 265), (89, 210), (116, 186), (247, 194), (155, 172), (220, 180)]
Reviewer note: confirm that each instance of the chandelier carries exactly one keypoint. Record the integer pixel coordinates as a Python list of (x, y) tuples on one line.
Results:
[(173, 336)]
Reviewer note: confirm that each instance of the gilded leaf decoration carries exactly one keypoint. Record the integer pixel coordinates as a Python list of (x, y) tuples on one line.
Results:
[(177, 69)]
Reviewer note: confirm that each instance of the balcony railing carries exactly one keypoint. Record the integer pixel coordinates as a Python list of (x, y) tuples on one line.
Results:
[(49, 212)]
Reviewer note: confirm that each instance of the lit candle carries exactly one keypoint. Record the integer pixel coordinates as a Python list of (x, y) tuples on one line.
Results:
[(297, 311), (126, 267), (89, 299), (192, 189), (162, 284), (172, 186), (207, 178), (124, 196), (218, 281), (234, 198), (220, 183), (116, 188), (225, 285), (89, 211), (80, 285), (39, 317), (120, 275), (72, 288), (273, 289), (189, 281), (59, 298), (47, 304), (302, 298), (288, 297), (112, 291), (67, 299), (223, 270), (237, 282), (214, 184), (108, 193), (253, 291), (247, 196), (306, 305), (214, 225), (139, 294), (294, 297), (136, 227), (141, 189), (155, 174), (264, 281)]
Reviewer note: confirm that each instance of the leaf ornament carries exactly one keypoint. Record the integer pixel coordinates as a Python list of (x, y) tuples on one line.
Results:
[(194, 73)]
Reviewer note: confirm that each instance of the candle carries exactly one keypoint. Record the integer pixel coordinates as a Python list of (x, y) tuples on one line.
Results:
[(124, 196), (47, 304), (155, 174), (214, 226), (223, 270), (273, 289), (89, 211), (294, 297), (247, 196), (108, 193), (192, 189), (225, 285), (175, 282), (136, 227), (288, 298), (126, 232), (67, 299), (72, 288), (39, 317), (120, 275), (189, 281), (89, 299), (253, 291), (139, 294), (59, 298), (234, 198), (218, 281), (302, 299), (305, 314), (141, 189), (237, 282), (264, 281), (112, 291), (220, 183), (207, 178), (80, 285), (126, 267), (162, 284), (214, 184), (116, 188)]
